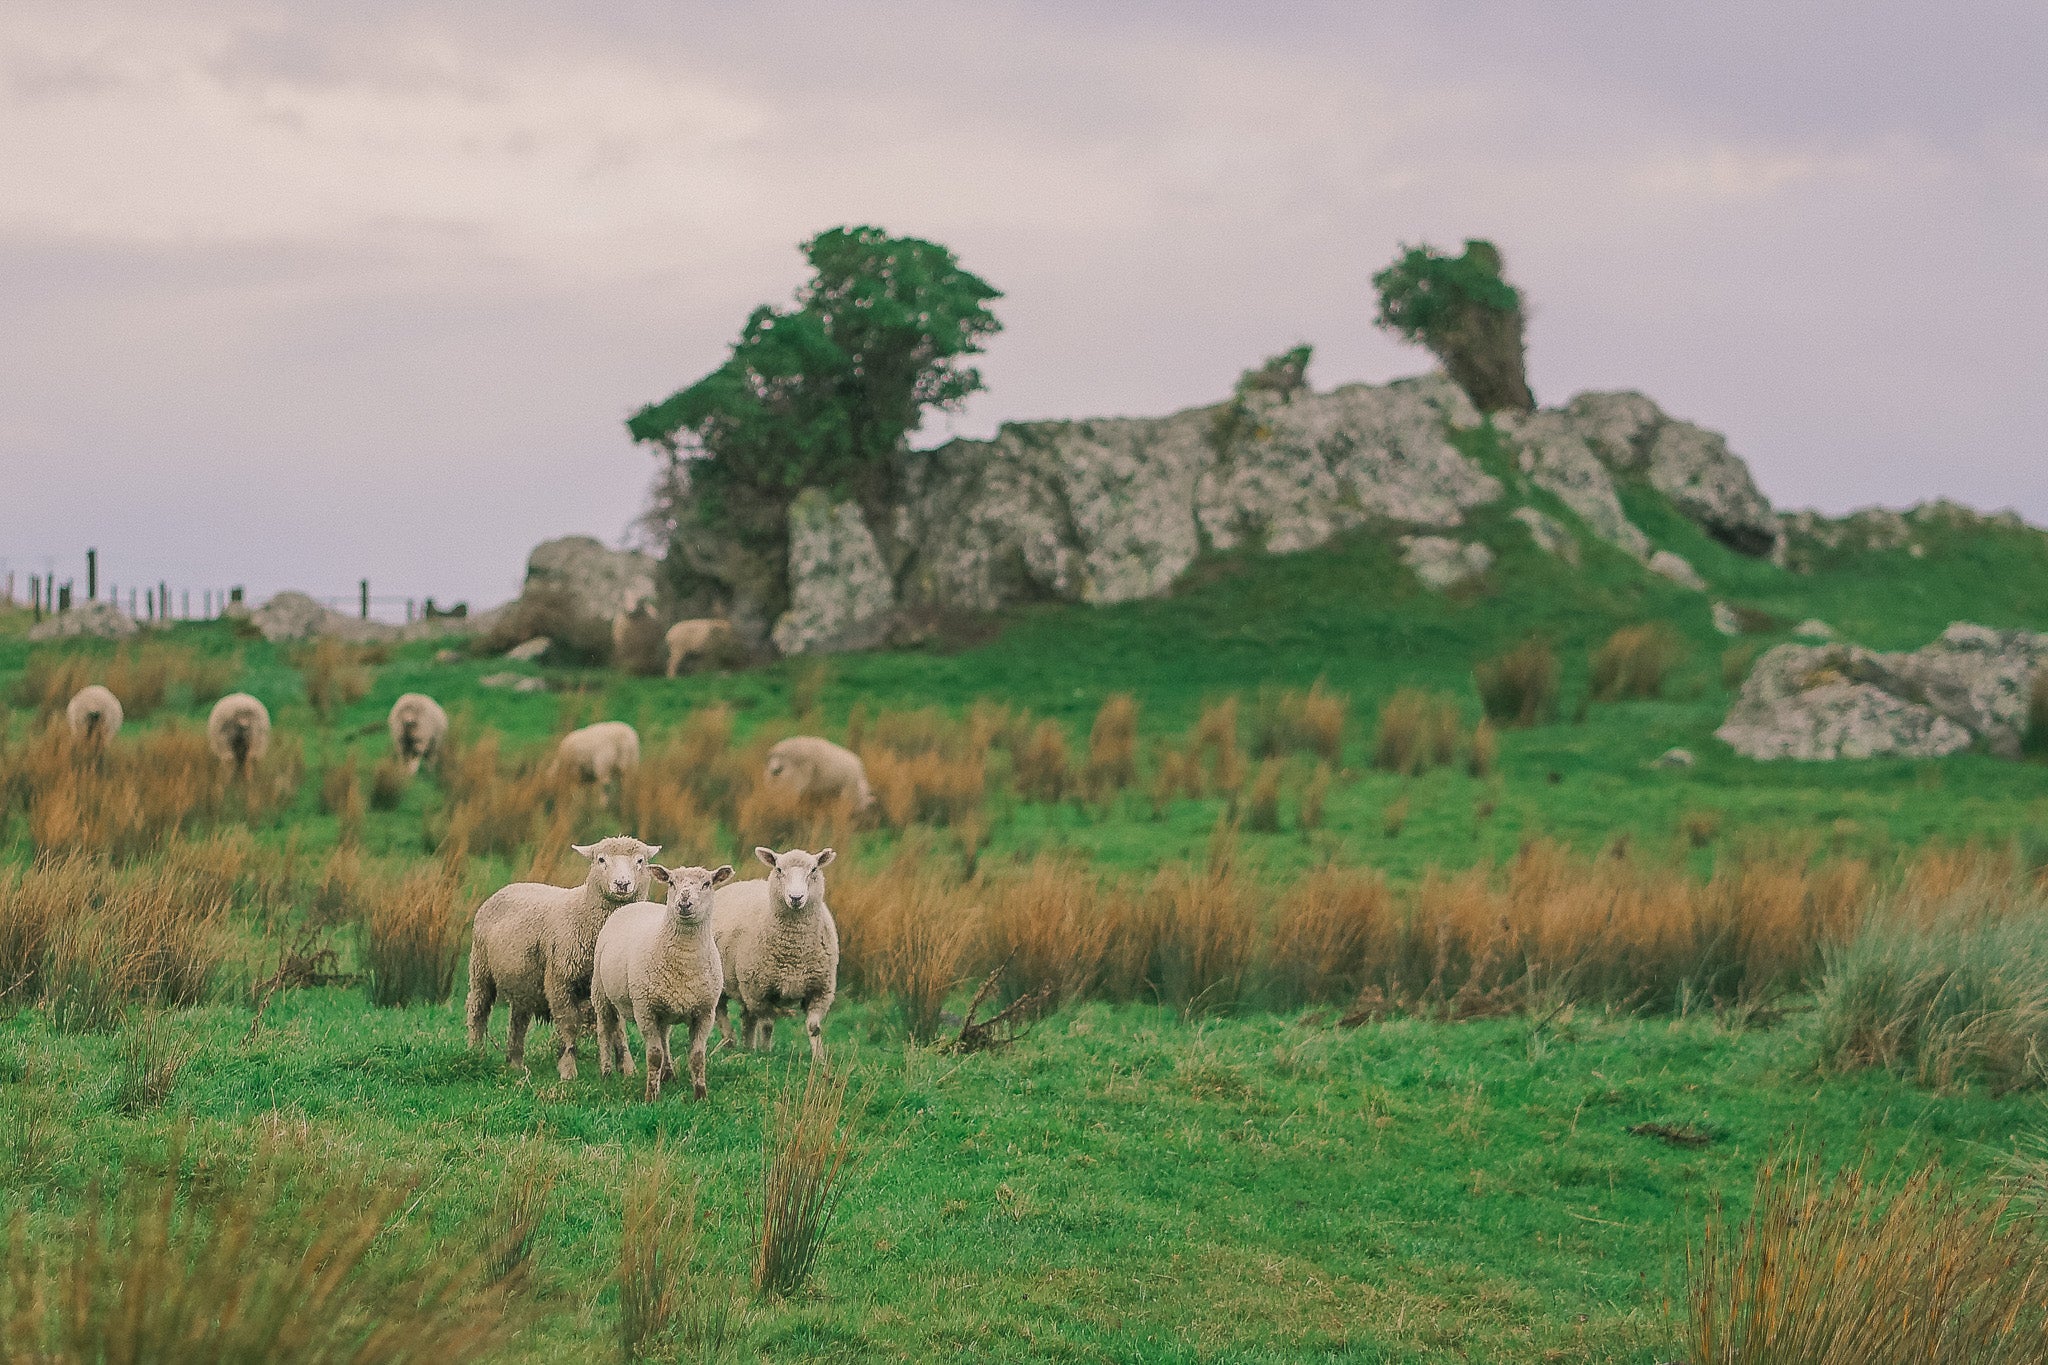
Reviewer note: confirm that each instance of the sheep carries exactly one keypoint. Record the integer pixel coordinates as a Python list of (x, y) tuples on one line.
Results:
[(659, 962), (598, 753), (418, 725), (820, 769), (238, 731), (534, 945), (94, 714), (779, 947), (692, 640)]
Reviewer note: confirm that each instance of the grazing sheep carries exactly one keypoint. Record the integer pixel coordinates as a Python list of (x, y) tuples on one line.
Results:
[(821, 769), (94, 714), (238, 731), (418, 725), (660, 964), (534, 945), (598, 753), (689, 641), (779, 946)]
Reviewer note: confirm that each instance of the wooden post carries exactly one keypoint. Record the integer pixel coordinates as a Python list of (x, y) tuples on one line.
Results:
[(35, 595), (92, 575), (64, 598), (235, 594), (185, 603), (163, 600), (366, 599), (131, 602)]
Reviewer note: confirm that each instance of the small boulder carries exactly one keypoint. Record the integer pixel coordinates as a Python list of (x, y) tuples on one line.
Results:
[(1726, 619), (1549, 533), (447, 656), (515, 682), (529, 650), (1442, 563), (1814, 630), (1675, 567), (1673, 758), (94, 620)]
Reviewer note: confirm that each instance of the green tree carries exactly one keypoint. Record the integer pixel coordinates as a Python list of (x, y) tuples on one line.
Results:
[(1465, 311)]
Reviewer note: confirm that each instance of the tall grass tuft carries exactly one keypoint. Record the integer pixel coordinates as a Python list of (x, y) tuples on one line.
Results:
[(1418, 731), (1519, 686), (1841, 1268), (1943, 991), (1112, 747), (1635, 662), (335, 675), (412, 931), (153, 1053), (803, 1170), (1215, 739), (1043, 770), (285, 1265), (1049, 923), (1327, 928), (907, 932), (1262, 805), (657, 1236), (1288, 721), (1484, 751)]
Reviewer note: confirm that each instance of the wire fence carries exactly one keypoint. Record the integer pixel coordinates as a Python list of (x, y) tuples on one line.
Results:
[(46, 594)]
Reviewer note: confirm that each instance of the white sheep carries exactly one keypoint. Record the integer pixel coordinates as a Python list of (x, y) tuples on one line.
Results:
[(779, 946), (819, 769), (418, 725), (598, 753), (534, 946), (692, 640), (94, 714), (238, 731), (660, 964)]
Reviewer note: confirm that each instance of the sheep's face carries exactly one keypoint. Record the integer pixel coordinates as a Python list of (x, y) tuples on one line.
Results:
[(796, 879), (689, 888), (618, 866)]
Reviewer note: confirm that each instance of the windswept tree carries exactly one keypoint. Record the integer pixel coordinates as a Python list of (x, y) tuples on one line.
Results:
[(1465, 311), (824, 394)]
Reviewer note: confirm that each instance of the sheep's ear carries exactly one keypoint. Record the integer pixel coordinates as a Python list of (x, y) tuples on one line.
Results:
[(651, 849), (825, 855), (587, 850), (659, 873), (766, 855), (723, 873)]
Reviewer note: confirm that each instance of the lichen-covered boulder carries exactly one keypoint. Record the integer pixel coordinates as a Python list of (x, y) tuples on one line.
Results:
[(840, 596), (96, 620), (1549, 533), (1667, 564), (1442, 563), (1631, 435), (599, 581), (1556, 457), (1843, 701)]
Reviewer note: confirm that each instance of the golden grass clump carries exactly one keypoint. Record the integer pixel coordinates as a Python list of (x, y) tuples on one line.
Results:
[(926, 730), (1483, 753), (1112, 747), (413, 927), (1635, 662), (1287, 720), (1262, 805), (926, 787), (1315, 796), (1841, 1267), (775, 814), (1050, 922), (127, 799), (286, 1264), (1418, 731), (906, 933), (1215, 740), (1328, 928), (1519, 686), (1190, 937), (388, 781), (335, 675), (1043, 769), (49, 679), (807, 684), (803, 1169), (657, 1237), (1175, 772)]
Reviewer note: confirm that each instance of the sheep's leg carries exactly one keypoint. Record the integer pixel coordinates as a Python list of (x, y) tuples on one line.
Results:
[(700, 1034), (515, 1038), (566, 1013), (722, 1012), (668, 1054), (483, 993), (814, 1024), (654, 1037), (607, 1021), (764, 1031)]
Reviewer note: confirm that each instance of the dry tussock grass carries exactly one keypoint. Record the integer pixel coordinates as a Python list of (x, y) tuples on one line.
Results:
[(926, 787), (1288, 720), (1519, 687), (907, 931), (335, 674), (1635, 662), (1215, 739), (1049, 922), (1418, 731), (1327, 928), (1112, 748), (1043, 768), (412, 931), (802, 1178)]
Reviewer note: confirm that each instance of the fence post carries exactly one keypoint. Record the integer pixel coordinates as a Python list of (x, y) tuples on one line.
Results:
[(35, 596), (64, 597), (92, 575), (185, 604), (131, 602), (366, 599)]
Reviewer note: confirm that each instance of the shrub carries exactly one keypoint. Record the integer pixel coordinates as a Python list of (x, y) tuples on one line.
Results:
[(1113, 747), (1287, 720), (1519, 687), (1464, 310), (1635, 661), (1418, 731), (1942, 991), (1839, 1268), (412, 931), (803, 1166)]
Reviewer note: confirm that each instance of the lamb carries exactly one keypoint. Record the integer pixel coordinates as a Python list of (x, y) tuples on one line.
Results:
[(598, 753), (535, 945), (660, 963), (779, 947), (238, 731), (94, 714), (820, 769), (418, 725), (692, 640)]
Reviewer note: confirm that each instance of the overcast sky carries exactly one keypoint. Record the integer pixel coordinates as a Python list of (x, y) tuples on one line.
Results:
[(292, 293)]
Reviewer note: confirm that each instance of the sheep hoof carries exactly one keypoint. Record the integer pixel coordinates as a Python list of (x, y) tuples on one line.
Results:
[(697, 1091)]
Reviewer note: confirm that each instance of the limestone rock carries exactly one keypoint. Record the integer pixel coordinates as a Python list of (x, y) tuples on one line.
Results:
[(598, 581), (1726, 619), (528, 650), (1557, 458), (841, 596), (515, 682), (1549, 533), (1666, 564), (1692, 466), (96, 620), (1811, 629), (1443, 563), (1673, 758), (293, 616), (1843, 701)]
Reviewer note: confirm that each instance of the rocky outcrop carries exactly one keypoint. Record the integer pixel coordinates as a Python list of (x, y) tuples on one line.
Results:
[(1549, 533), (841, 595), (1442, 563), (1692, 466), (93, 620), (598, 582), (1843, 701), (293, 616)]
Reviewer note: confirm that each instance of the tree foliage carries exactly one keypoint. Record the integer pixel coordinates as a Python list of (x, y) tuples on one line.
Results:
[(825, 393), (1465, 311)]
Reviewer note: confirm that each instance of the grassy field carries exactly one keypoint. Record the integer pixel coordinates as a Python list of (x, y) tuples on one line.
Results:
[(1159, 1170)]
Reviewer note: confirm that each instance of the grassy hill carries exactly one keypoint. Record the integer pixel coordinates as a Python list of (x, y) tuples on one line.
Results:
[(1146, 1175)]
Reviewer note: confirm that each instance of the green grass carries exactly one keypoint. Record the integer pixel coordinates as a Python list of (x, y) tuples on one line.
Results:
[(1125, 1183)]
